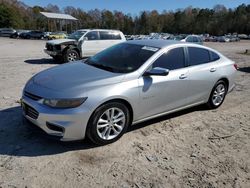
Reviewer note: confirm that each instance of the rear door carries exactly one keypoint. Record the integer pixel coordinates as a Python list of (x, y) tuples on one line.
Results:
[(165, 93), (203, 74), (109, 38)]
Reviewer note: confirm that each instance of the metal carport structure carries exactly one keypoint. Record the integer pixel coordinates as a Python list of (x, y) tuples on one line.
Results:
[(58, 18)]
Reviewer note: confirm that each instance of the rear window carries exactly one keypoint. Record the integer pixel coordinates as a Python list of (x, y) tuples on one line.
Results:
[(106, 35), (214, 56), (198, 56)]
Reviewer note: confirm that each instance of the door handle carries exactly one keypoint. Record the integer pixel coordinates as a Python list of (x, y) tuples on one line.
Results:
[(183, 76), (212, 69)]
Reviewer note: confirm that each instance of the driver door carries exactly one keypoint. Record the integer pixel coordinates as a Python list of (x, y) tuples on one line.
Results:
[(159, 94), (91, 45)]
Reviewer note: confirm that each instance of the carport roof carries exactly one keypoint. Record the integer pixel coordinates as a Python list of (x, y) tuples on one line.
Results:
[(58, 16)]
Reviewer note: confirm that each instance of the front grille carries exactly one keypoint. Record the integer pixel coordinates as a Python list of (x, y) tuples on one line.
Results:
[(29, 111), (32, 96), (49, 47)]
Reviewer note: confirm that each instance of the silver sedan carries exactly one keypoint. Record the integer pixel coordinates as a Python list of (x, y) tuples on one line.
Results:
[(123, 85)]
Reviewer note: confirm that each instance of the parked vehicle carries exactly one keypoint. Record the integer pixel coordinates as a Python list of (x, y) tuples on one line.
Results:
[(125, 84), (233, 38), (33, 35), (223, 39), (193, 39), (46, 34), (6, 32), (57, 35), (18, 32), (177, 37), (83, 43), (244, 36), (210, 39)]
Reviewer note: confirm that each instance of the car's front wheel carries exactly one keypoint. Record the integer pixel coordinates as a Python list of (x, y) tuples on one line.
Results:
[(71, 55), (108, 123), (217, 95)]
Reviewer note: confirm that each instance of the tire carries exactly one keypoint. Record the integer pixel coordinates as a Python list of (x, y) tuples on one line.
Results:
[(71, 55), (215, 99), (108, 131)]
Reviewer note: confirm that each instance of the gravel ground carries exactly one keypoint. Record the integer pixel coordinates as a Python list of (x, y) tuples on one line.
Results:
[(178, 150)]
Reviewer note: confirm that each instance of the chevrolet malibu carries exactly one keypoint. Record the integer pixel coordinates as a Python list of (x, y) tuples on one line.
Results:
[(123, 85)]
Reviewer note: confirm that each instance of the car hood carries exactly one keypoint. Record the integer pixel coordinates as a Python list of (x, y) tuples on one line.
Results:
[(62, 41), (70, 80)]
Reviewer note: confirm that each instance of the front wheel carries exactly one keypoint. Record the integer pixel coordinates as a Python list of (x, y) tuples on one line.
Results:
[(108, 123), (217, 95), (71, 55)]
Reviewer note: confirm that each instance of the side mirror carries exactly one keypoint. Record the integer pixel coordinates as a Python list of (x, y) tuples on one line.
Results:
[(85, 38), (157, 71)]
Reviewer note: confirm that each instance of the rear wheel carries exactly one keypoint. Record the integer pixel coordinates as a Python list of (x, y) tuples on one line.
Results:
[(217, 95), (71, 55), (108, 123)]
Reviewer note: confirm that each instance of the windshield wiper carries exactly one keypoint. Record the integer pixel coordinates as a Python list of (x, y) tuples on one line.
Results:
[(100, 66), (104, 67)]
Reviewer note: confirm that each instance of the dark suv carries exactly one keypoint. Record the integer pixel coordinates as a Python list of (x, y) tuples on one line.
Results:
[(33, 34), (7, 32)]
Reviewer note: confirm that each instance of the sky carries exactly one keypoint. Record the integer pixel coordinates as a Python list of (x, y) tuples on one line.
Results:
[(135, 6)]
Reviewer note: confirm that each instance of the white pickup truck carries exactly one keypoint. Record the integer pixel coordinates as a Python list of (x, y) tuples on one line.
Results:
[(83, 43)]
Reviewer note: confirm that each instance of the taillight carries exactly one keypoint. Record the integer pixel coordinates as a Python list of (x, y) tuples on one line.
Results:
[(235, 66)]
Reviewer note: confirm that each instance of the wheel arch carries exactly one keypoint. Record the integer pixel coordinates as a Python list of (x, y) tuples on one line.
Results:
[(72, 47), (225, 80), (120, 100)]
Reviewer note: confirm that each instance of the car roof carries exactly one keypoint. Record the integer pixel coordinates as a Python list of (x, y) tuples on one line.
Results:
[(154, 43), (98, 30)]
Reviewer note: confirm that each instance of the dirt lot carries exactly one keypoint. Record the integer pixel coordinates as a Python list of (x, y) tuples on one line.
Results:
[(172, 151)]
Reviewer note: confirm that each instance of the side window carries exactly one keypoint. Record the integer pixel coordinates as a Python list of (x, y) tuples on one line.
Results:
[(198, 56), (105, 35), (195, 39), (189, 39), (92, 35), (116, 36), (173, 59), (214, 56)]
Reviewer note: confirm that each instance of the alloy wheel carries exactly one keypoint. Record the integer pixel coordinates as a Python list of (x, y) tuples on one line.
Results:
[(219, 94), (111, 123), (72, 56)]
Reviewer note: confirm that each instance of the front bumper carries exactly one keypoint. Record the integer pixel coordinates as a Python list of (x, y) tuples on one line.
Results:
[(52, 53), (65, 124)]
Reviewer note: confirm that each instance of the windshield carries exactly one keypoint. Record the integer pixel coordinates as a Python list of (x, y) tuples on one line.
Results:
[(76, 35), (122, 58)]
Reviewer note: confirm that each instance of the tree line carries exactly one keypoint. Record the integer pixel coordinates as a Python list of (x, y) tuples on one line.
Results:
[(216, 21)]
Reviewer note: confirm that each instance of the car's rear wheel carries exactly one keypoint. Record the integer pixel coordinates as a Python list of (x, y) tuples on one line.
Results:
[(108, 123), (217, 95), (71, 55)]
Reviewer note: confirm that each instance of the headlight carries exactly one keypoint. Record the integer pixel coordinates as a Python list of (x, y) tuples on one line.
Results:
[(64, 103)]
